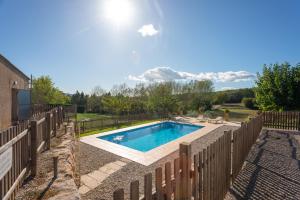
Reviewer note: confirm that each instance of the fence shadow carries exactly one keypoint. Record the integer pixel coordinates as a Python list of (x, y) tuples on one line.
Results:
[(41, 196), (267, 170)]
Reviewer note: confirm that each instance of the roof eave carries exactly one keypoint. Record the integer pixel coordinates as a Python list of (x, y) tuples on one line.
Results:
[(7, 63)]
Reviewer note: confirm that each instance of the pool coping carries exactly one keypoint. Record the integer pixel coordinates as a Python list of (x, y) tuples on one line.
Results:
[(153, 155)]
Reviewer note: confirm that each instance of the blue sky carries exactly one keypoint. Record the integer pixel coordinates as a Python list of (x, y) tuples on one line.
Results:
[(75, 42)]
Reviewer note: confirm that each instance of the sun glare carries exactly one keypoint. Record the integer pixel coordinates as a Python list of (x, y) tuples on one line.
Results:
[(119, 12)]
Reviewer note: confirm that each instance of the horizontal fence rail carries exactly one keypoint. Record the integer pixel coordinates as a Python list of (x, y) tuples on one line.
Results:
[(15, 156), (20, 146), (38, 110), (282, 120), (89, 125), (206, 175)]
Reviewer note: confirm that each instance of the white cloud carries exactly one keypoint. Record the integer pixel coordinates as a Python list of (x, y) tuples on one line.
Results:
[(161, 74), (148, 30)]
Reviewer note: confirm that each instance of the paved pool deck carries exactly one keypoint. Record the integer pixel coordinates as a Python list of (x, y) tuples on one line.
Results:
[(149, 157), (118, 171)]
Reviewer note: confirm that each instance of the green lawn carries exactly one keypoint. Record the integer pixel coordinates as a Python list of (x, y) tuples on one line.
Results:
[(237, 112), (111, 128), (81, 116)]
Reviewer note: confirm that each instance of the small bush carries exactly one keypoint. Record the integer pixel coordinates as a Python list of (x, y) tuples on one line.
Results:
[(249, 103), (226, 111), (209, 114), (226, 114), (204, 105), (192, 113)]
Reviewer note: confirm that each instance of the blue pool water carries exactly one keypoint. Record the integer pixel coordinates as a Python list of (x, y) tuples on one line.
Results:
[(148, 137)]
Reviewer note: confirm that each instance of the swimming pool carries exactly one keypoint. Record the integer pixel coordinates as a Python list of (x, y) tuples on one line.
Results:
[(149, 137)]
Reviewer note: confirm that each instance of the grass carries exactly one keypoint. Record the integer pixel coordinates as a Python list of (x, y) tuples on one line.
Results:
[(81, 116), (111, 128), (237, 112)]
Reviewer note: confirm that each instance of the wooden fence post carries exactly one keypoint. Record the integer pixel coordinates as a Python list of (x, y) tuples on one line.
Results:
[(77, 129), (58, 117), (55, 122), (168, 179), (148, 186), (134, 190), (61, 115), (158, 183), (66, 128), (118, 194), (48, 130), (185, 157), (34, 132), (229, 157), (298, 121), (83, 126), (55, 166)]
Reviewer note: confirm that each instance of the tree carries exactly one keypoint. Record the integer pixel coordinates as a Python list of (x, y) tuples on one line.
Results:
[(156, 98), (202, 103), (201, 96), (115, 105), (236, 96), (220, 97), (249, 103), (161, 99), (94, 101), (44, 92), (278, 87), (94, 104), (98, 91), (80, 99)]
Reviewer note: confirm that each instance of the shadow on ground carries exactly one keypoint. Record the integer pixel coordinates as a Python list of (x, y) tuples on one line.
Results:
[(272, 169)]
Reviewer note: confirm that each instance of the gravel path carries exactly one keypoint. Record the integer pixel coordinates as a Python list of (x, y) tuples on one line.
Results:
[(92, 158), (272, 170), (43, 186)]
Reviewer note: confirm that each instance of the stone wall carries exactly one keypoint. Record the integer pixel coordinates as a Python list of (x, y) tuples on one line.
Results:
[(67, 165), (44, 185)]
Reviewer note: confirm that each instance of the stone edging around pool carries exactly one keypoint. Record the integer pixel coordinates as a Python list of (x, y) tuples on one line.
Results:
[(149, 157)]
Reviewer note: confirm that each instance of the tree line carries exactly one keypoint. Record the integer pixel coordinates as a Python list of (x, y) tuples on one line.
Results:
[(159, 98), (277, 88)]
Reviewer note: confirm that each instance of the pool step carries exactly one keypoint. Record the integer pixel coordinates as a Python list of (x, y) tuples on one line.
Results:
[(92, 180)]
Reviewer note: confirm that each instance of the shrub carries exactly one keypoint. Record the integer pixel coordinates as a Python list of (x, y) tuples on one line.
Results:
[(249, 103), (226, 115), (192, 113), (226, 111), (209, 114)]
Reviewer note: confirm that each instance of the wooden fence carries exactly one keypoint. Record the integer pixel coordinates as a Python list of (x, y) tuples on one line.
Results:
[(282, 120), (20, 146), (40, 109), (89, 125), (242, 140), (206, 175)]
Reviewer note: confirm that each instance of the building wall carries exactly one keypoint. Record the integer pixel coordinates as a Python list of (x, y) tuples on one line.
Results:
[(7, 79)]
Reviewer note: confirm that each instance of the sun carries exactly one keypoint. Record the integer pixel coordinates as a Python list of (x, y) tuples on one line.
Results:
[(119, 12)]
